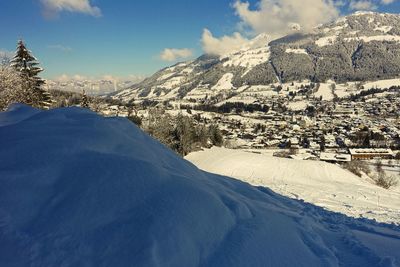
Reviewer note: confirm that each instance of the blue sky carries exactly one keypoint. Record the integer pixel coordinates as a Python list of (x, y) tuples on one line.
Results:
[(126, 38)]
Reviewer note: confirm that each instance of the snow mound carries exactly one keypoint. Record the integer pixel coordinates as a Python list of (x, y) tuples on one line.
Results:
[(77, 189)]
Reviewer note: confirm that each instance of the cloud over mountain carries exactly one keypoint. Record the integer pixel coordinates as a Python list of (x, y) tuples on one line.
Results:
[(277, 17), (173, 54), (223, 45)]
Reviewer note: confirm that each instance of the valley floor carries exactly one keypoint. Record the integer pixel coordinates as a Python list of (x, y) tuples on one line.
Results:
[(320, 183)]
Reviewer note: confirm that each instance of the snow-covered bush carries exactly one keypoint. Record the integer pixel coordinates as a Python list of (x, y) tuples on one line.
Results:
[(15, 89), (12, 88), (357, 167), (386, 181)]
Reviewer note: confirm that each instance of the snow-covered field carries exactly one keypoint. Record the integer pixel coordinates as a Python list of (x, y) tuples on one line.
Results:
[(225, 83), (320, 183), (382, 83), (77, 189), (298, 105), (325, 90)]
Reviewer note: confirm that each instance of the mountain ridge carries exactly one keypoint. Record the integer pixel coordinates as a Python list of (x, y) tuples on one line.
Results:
[(364, 46)]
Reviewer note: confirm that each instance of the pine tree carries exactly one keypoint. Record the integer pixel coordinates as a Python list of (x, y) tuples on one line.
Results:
[(85, 100), (27, 65)]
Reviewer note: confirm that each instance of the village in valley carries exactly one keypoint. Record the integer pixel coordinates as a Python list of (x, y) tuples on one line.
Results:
[(302, 120)]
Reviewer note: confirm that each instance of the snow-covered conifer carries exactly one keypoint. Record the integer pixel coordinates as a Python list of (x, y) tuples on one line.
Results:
[(28, 67), (84, 100)]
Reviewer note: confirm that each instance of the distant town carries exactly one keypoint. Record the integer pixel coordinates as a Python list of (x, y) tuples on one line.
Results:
[(295, 117)]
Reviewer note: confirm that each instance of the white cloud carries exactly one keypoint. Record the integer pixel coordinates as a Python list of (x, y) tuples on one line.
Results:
[(51, 8), (276, 17), (221, 46), (172, 54), (362, 5), (60, 47)]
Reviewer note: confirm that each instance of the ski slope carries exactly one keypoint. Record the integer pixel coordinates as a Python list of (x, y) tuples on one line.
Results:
[(77, 189), (320, 183)]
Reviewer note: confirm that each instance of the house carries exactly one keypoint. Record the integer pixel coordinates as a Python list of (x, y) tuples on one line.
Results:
[(371, 153)]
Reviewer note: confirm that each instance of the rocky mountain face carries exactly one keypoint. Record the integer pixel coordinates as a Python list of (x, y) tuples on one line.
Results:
[(364, 46)]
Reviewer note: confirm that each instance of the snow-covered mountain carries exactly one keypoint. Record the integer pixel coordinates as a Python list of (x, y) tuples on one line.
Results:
[(77, 189), (359, 47), (93, 87)]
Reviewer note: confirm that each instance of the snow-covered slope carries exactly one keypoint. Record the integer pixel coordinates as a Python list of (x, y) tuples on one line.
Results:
[(320, 183), (77, 189)]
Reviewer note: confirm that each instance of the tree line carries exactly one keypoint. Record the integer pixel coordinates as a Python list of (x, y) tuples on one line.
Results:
[(228, 107), (183, 134)]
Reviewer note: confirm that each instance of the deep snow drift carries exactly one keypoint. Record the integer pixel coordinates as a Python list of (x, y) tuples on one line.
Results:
[(77, 189)]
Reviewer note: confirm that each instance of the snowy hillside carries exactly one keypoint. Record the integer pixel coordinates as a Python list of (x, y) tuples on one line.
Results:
[(320, 183), (77, 189), (364, 46)]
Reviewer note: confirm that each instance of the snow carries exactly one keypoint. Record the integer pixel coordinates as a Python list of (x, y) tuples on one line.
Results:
[(341, 20), (187, 70), (363, 13), (225, 83), (342, 90), (13, 117), (336, 29), (239, 98), (257, 88), (382, 84), (296, 51), (384, 29), (327, 40), (320, 183), (325, 90), (379, 38), (173, 82), (77, 189), (298, 105), (248, 58), (166, 76)]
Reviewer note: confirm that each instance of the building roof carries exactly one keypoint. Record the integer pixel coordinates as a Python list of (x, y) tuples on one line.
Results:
[(363, 151), (335, 157)]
